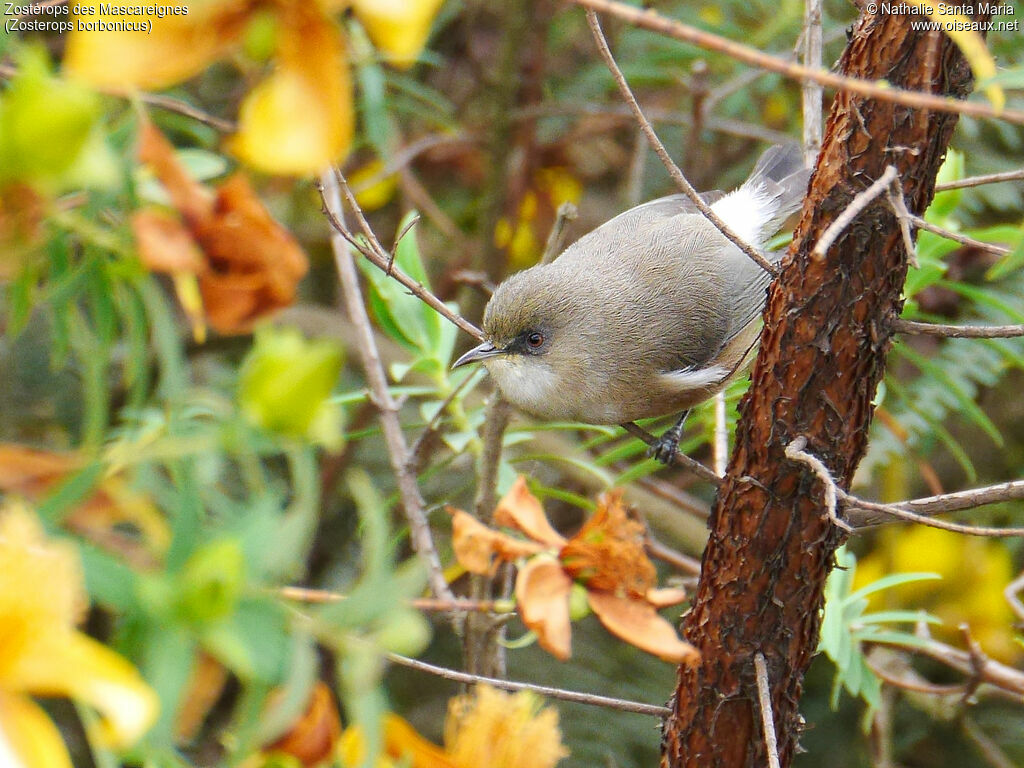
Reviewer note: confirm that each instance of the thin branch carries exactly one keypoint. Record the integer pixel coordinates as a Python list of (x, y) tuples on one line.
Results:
[(622, 705), (659, 149), (677, 496), (764, 697), (977, 181), (183, 108), (811, 93), (655, 22), (667, 554), (853, 504), (456, 605), (1010, 593), (920, 223), (958, 331), (910, 680), (680, 460), (991, 751), (861, 201), (8, 71), (982, 668), (940, 504), (721, 441), (795, 452), (724, 125), (430, 429), (381, 259), (556, 237), (398, 452)]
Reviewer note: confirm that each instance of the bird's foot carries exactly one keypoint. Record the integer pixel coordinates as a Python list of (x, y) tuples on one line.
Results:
[(666, 447)]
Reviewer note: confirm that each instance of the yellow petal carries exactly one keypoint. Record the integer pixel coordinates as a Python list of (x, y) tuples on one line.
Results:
[(76, 666), (504, 730), (40, 589), (174, 49), (28, 739), (521, 510), (402, 742), (299, 120), (399, 28), (639, 624), (542, 592)]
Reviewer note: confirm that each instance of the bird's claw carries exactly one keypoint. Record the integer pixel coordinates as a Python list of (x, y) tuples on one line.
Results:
[(664, 449)]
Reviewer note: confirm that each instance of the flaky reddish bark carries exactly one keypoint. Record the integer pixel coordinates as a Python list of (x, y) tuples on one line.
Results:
[(827, 330)]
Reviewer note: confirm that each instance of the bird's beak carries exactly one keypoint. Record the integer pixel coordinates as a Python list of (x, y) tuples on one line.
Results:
[(481, 352)]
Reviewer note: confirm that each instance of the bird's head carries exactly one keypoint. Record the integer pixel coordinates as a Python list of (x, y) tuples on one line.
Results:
[(529, 351)]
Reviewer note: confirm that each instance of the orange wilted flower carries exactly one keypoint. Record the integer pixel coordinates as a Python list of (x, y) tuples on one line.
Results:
[(606, 556), (313, 737), (247, 265)]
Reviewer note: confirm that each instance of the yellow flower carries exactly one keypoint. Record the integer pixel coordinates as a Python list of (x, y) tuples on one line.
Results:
[(399, 28), (41, 652), (300, 118), (974, 573), (486, 727)]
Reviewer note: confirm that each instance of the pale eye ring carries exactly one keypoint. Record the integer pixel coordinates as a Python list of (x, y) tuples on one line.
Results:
[(535, 340)]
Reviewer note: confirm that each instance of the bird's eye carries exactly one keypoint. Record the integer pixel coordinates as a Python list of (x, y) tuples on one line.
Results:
[(535, 340)]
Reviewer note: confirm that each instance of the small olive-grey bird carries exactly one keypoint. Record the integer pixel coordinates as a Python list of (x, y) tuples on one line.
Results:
[(651, 313)]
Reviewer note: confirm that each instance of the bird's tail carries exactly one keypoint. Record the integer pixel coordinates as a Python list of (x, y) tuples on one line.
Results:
[(780, 180)]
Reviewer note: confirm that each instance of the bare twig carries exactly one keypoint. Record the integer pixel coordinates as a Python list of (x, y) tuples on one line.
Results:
[(381, 259), (681, 459), (977, 181), (592, 699), (659, 149), (940, 504), (398, 452), (991, 751), (853, 504), (764, 698), (795, 451), (811, 93), (920, 223), (669, 117), (667, 554), (959, 331), (903, 216), (986, 670), (721, 435), (655, 22), (430, 429), (566, 212), (678, 497), (458, 604), (909, 680), (187, 110), (1010, 593), (861, 201)]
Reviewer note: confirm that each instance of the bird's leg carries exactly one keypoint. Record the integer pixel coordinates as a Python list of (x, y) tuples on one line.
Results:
[(665, 447)]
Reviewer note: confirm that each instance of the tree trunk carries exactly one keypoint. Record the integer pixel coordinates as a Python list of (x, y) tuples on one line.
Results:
[(828, 324)]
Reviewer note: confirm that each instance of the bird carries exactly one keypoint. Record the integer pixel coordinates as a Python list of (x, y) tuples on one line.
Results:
[(651, 313)]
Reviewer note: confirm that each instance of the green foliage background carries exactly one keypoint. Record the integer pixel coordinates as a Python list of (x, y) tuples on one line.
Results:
[(96, 357)]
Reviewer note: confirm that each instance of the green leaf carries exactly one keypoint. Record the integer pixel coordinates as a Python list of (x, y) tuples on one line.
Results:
[(402, 316), (252, 642), (1012, 261)]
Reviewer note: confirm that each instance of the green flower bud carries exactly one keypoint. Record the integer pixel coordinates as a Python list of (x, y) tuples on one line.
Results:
[(285, 382)]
